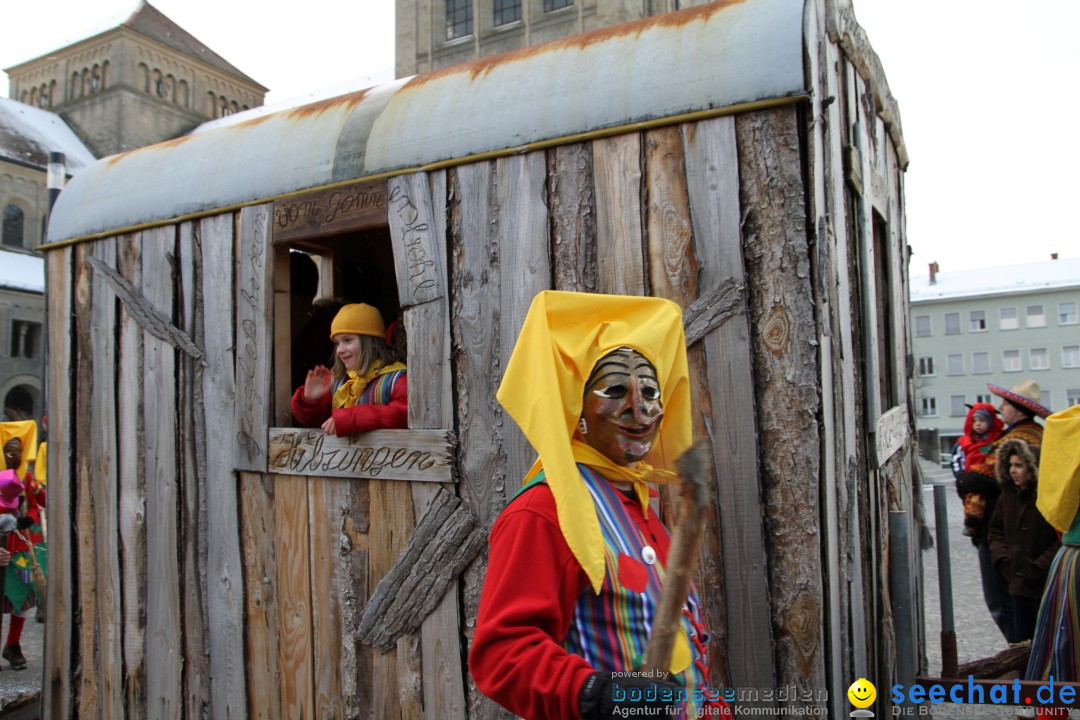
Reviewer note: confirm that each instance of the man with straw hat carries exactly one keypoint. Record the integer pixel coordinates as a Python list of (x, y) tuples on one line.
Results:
[(599, 386), (1019, 407)]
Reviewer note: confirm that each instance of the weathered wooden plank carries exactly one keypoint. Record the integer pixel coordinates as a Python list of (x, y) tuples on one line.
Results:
[(103, 488), (474, 324), (163, 632), (351, 572), (192, 496), (58, 682), (420, 278), (715, 307), (786, 382), (445, 540), (524, 268), (328, 212), (325, 502), (821, 139), (254, 324), (673, 273), (617, 184), (225, 602), (88, 669), (713, 185), (440, 635), (416, 455), (257, 529), (396, 685), (283, 388), (132, 483), (292, 533), (573, 217)]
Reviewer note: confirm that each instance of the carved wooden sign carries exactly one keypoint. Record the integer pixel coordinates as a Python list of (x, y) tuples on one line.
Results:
[(253, 350), (418, 455), (412, 232), (354, 207), (891, 433)]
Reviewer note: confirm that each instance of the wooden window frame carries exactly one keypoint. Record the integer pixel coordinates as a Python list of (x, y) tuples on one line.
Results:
[(424, 451)]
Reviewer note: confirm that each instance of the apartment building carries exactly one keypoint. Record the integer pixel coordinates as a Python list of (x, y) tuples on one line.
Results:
[(998, 325)]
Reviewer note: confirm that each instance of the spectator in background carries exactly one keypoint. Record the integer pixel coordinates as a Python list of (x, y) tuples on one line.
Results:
[(1022, 543), (1019, 407), (981, 428)]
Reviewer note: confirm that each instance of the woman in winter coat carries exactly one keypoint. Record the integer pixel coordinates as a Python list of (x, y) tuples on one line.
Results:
[(1022, 543)]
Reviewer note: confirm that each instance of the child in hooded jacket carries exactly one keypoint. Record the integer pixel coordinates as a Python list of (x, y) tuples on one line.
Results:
[(981, 428), (1022, 542)]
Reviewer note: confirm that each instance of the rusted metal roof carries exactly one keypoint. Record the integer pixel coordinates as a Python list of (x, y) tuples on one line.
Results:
[(701, 59)]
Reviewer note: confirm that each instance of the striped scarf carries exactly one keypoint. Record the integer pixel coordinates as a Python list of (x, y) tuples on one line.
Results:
[(610, 630)]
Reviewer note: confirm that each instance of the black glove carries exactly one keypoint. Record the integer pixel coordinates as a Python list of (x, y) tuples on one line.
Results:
[(25, 522), (604, 692)]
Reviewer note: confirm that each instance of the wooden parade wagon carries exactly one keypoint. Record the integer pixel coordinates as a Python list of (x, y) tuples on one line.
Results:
[(208, 559)]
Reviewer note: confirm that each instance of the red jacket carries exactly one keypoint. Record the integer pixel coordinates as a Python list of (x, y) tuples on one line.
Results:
[(532, 584), (358, 418)]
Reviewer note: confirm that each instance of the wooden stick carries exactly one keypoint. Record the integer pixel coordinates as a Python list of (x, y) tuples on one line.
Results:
[(681, 560)]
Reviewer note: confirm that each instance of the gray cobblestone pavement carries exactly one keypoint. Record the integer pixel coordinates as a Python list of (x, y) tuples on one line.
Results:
[(16, 685)]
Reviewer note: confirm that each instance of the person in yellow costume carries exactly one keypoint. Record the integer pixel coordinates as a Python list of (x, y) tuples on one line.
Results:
[(22, 497), (1055, 649), (599, 386)]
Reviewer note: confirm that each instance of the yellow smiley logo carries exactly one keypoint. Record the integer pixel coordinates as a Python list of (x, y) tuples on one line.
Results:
[(862, 693)]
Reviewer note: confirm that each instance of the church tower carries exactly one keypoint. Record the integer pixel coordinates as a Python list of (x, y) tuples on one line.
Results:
[(142, 82)]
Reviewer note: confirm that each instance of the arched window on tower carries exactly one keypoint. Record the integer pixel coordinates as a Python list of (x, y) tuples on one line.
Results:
[(73, 88), (182, 93), (96, 83), (223, 107), (13, 223)]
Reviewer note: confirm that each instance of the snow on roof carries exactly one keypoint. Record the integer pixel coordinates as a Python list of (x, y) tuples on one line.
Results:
[(1025, 278), (28, 134), (22, 271)]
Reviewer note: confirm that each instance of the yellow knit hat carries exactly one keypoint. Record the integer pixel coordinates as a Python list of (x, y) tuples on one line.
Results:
[(358, 319)]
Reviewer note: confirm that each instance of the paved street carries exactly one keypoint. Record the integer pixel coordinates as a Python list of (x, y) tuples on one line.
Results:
[(15, 685), (976, 634)]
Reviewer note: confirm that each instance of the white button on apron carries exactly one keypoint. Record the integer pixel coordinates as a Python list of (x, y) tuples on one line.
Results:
[(648, 555)]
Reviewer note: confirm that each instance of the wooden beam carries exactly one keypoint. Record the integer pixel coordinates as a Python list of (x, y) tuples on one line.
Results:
[(445, 541)]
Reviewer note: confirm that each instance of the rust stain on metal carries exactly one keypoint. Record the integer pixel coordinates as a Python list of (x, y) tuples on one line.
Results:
[(317, 108), (110, 161), (483, 66)]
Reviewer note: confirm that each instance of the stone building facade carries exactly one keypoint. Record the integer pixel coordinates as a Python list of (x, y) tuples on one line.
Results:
[(433, 34), (145, 81)]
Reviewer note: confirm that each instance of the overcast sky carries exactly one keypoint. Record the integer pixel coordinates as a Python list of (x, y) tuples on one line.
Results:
[(986, 110)]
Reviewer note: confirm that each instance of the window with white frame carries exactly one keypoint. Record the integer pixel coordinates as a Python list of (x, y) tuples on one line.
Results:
[(984, 398), (1039, 359), (1010, 361), (1045, 400), (956, 406), (459, 20), (977, 321), (1036, 316), (926, 365), (954, 364), (1008, 319), (1072, 396), (980, 363), (1067, 313), (1070, 356), (952, 323), (928, 407), (922, 326)]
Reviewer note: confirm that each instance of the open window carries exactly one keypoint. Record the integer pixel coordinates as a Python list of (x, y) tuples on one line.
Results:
[(331, 248)]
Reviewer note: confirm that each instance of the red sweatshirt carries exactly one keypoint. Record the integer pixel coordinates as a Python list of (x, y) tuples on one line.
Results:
[(358, 418), (532, 584)]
